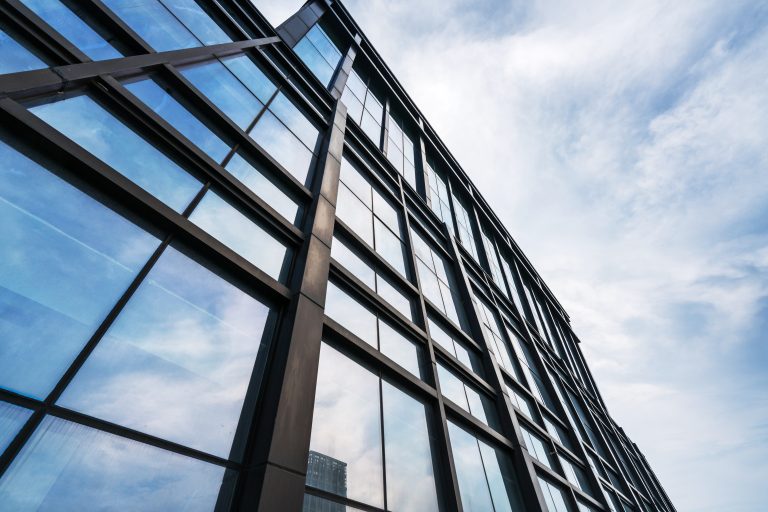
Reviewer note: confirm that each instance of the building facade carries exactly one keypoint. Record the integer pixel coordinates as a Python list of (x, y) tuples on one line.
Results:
[(239, 270)]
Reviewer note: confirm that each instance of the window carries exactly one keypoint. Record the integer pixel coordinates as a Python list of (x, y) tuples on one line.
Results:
[(439, 199), (514, 289), (372, 217), (466, 232), (493, 337), (177, 361), (467, 397), (437, 282), (364, 324), (493, 262), (16, 57), (487, 482), (88, 124), (553, 496), (237, 231), (469, 357), (65, 260), (319, 53), (521, 402), (223, 88), (575, 475), (62, 467), (169, 24), (70, 25), (12, 418), (530, 370), (536, 447), (255, 178), (400, 150), (558, 433), (363, 107), (162, 102), (363, 429), (351, 260)]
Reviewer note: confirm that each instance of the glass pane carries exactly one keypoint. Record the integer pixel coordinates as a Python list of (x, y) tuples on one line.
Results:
[(225, 91), (314, 61), (473, 486), (253, 177), (178, 360), (345, 456), (536, 447), (371, 128), (197, 21), (553, 496), (292, 117), (386, 212), (394, 296), (356, 85), (399, 348), (12, 418), (389, 246), (354, 214), (158, 27), (67, 466), (451, 387), (351, 314), (16, 57), (88, 124), (251, 76), (352, 262), (410, 477), (355, 181), (68, 24), (283, 146), (502, 482), (65, 260), (238, 232), (162, 103), (354, 107), (317, 504), (324, 45)]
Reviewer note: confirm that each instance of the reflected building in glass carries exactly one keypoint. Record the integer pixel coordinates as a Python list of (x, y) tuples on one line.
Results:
[(241, 271)]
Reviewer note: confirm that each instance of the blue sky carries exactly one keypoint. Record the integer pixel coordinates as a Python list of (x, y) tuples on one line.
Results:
[(631, 140)]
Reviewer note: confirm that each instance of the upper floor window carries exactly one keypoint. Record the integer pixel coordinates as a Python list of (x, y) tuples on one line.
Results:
[(319, 53), (493, 262), (466, 231), (364, 107), (400, 150), (439, 197)]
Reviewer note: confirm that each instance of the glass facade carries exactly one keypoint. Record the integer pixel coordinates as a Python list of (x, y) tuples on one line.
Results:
[(224, 287)]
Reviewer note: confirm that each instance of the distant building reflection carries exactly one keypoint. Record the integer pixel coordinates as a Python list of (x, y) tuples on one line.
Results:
[(328, 474)]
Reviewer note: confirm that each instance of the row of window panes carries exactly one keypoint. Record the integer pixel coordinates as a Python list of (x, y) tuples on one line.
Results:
[(366, 325), (371, 216), (465, 395), (466, 231), (319, 53), (439, 196), (363, 107), (437, 280), (365, 431), (400, 151), (467, 356), (352, 261)]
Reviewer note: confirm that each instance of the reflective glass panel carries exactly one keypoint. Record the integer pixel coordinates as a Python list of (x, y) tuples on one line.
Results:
[(314, 61), (162, 103), (351, 314), (251, 76), (473, 486), (352, 262), (410, 477), (12, 418), (238, 232), (186, 332), (16, 57), (536, 447), (71, 26), (254, 178), (346, 431), (292, 117), (67, 466), (502, 481), (65, 260), (553, 496), (197, 21), (88, 124), (399, 348), (283, 146), (225, 91), (466, 397), (154, 23)]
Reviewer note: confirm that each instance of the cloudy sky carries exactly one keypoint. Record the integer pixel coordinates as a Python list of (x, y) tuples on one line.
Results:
[(625, 146)]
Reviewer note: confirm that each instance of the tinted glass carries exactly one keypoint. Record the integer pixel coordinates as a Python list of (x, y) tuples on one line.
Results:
[(410, 477), (12, 418), (177, 361), (68, 24), (351, 314), (502, 482), (346, 431), (225, 91), (251, 76), (238, 232), (352, 262), (67, 466), (314, 61), (164, 105), (197, 21), (65, 260), (536, 447), (283, 146), (87, 123), (469, 471), (154, 23), (399, 348), (16, 57), (254, 178)]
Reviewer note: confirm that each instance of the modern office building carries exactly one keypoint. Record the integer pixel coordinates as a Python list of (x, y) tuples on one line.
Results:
[(239, 270)]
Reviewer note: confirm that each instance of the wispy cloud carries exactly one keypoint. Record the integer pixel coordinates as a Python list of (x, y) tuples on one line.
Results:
[(634, 136)]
